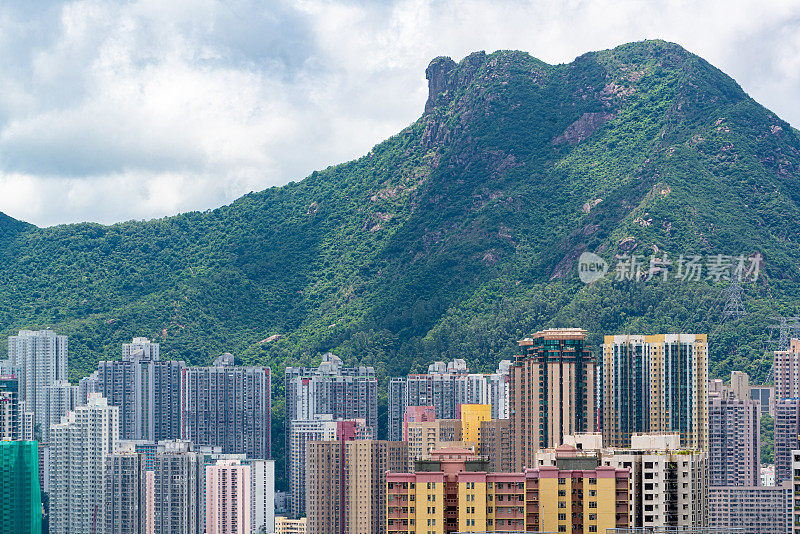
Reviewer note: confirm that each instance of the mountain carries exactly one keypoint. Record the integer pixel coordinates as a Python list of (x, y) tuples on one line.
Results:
[(460, 234)]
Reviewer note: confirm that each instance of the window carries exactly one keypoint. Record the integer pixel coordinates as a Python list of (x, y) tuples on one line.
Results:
[(562, 517), (592, 504), (562, 504)]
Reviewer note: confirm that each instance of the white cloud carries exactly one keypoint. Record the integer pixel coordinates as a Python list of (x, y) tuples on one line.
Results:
[(118, 110)]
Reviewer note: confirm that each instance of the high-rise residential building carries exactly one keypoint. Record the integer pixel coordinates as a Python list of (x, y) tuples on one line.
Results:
[(38, 360), (86, 386), (668, 484), (496, 445), (262, 495), (228, 407), (733, 434), (445, 387), (301, 433), (626, 388), (141, 348), (285, 525), (472, 415), (10, 416), (124, 490), (174, 491), (323, 428), (576, 495), (79, 447), (655, 383), (330, 389), (366, 465), (679, 387), (740, 384), (417, 414), (346, 483), (425, 436), (552, 392), (146, 390), (20, 497), (60, 400), (228, 495), (786, 371), (786, 432), (765, 395), (751, 508)]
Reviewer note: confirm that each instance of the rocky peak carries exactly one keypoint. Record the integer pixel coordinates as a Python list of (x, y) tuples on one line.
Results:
[(445, 76)]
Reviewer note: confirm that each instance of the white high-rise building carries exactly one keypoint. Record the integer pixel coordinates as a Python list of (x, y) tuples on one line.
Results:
[(38, 359), (86, 386), (60, 400), (142, 349), (262, 495), (79, 447)]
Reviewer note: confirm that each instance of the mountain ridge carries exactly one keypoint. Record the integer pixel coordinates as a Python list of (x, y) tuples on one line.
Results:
[(458, 235)]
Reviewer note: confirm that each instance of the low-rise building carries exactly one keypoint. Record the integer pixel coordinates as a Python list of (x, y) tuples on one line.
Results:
[(753, 508), (285, 525), (451, 495), (668, 484)]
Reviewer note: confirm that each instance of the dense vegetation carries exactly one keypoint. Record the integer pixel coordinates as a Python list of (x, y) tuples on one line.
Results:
[(457, 236), (767, 440)]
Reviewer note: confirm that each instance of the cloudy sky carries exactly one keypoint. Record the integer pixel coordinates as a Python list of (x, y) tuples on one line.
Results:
[(133, 110)]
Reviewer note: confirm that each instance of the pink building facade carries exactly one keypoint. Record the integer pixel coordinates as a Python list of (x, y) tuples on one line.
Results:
[(228, 498), (417, 414)]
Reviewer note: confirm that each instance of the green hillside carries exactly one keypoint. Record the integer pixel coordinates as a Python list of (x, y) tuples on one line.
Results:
[(457, 236)]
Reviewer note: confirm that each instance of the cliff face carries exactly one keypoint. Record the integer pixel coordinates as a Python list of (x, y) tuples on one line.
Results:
[(458, 235)]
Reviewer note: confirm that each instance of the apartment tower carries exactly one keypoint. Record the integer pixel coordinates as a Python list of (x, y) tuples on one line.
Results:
[(496, 445), (124, 491), (38, 359), (10, 416), (655, 384), (228, 498), (146, 390), (79, 448), (228, 407), (786, 369), (787, 430), (552, 392), (346, 484), (20, 496), (175, 491), (733, 434)]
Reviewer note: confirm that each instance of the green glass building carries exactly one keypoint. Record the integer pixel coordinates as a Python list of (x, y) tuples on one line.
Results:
[(20, 497)]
